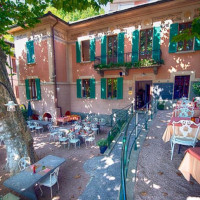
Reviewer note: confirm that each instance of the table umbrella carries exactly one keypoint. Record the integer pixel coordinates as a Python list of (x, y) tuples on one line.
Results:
[(30, 111)]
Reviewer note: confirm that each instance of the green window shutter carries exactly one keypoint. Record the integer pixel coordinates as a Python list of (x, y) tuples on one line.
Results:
[(78, 51), (173, 32), (38, 89), (103, 88), (197, 44), (135, 46), (92, 49), (120, 88), (79, 88), (92, 88), (103, 49), (30, 52), (120, 50), (27, 89), (156, 43)]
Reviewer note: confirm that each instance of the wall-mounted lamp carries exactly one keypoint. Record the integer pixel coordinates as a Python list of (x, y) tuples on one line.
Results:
[(10, 105)]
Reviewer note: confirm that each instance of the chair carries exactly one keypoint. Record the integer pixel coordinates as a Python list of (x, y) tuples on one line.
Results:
[(30, 125), (38, 128), (73, 140), (184, 112), (53, 132), (181, 134), (94, 128), (62, 138), (90, 139), (23, 163), (50, 181)]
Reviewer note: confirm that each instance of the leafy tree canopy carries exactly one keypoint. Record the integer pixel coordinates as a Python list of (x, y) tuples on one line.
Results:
[(26, 13), (76, 14), (188, 34)]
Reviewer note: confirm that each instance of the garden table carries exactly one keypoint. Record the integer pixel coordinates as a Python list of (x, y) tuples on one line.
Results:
[(169, 130), (68, 118), (24, 182), (190, 164)]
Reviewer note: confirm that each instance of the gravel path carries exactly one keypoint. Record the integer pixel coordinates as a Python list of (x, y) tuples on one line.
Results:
[(158, 177)]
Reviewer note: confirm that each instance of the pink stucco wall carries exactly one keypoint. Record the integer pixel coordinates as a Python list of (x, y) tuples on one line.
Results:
[(40, 68)]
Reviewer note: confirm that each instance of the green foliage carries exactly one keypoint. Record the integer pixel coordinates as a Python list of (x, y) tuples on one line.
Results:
[(188, 34), (26, 13), (25, 113), (102, 142), (129, 65), (161, 105), (196, 88)]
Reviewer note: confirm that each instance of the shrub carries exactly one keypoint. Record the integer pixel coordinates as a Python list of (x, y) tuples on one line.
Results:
[(161, 105), (102, 142)]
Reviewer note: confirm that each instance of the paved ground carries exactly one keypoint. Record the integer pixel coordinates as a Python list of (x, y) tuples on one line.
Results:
[(72, 176), (158, 177)]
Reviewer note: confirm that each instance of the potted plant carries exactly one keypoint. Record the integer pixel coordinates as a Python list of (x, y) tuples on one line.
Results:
[(103, 144)]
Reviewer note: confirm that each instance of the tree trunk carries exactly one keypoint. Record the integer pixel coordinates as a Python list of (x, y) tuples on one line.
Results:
[(13, 128)]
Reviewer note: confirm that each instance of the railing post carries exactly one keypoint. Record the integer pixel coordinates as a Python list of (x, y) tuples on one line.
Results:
[(132, 109), (146, 117), (136, 124), (152, 110), (111, 119)]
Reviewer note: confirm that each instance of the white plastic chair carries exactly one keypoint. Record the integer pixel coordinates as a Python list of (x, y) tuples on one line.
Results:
[(73, 140), (90, 139), (181, 134), (23, 163), (50, 181), (38, 128)]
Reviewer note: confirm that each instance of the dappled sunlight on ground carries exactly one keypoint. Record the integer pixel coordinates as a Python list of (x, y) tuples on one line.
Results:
[(157, 177), (72, 176)]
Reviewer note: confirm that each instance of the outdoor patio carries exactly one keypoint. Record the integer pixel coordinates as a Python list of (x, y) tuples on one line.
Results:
[(72, 177)]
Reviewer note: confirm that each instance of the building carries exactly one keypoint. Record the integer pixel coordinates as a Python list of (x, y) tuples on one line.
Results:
[(12, 71), (109, 61)]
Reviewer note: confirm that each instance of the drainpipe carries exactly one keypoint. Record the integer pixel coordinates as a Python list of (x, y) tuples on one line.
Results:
[(54, 70)]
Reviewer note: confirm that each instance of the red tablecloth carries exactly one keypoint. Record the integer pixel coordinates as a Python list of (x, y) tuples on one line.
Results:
[(194, 152), (68, 118)]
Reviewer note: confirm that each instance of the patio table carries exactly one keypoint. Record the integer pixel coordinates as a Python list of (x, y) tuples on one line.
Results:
[(68, 118), (169, 130), (24, 182), (190, 164), (41, 122)]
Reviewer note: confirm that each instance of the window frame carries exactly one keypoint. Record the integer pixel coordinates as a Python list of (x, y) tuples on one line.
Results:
[(146, 56), (185, 42), (114, 58), (82, 50), (112, 88), (84, 89)]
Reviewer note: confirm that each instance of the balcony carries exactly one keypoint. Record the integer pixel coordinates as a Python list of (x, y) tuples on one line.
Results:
[(111, 62)]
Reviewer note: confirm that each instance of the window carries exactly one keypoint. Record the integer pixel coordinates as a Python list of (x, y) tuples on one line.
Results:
[(146, 43), (30, 52), (111, 88), (185, 45), (85, 50), (86, 88), (112, 49), (14, 65), (33, 90)]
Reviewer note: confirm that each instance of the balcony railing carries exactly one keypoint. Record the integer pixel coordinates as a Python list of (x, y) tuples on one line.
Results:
[(115, 61)]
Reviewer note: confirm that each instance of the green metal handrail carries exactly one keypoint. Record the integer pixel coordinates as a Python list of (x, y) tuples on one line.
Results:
[(125, 155), (118, 121)]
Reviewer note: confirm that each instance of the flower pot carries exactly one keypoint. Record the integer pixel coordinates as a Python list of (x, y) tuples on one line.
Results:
[(102, 149)]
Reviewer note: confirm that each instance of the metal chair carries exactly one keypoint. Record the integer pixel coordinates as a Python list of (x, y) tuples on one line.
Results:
[(90, 139), (38, 128), (30, 125), (53, 132), (50, 181), (62, 138), (181, 134), (73, 140), (23, 163)]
